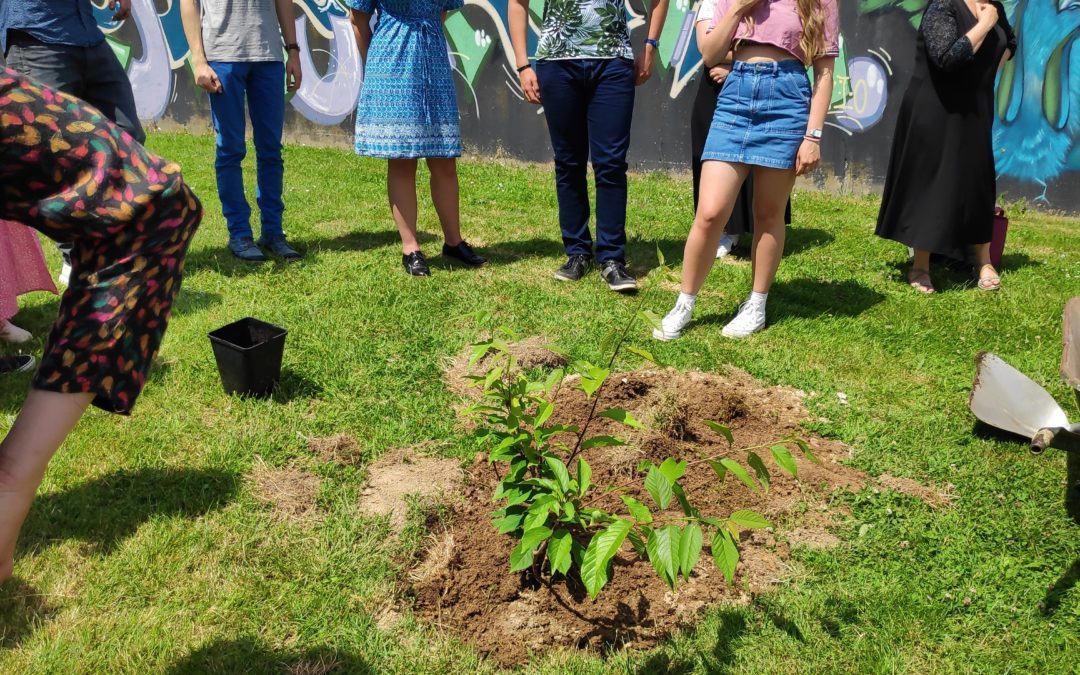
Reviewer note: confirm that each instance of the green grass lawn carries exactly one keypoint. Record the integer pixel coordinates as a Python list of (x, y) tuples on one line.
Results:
[(147, 550)]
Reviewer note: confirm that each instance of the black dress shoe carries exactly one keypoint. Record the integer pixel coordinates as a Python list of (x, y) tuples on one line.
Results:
[(463, 253), (574, 269), (617, 278), (416, 264)]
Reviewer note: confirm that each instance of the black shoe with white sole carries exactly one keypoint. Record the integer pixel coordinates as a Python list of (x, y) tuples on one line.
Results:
[(16, 364), (614, 273), (575, 267)]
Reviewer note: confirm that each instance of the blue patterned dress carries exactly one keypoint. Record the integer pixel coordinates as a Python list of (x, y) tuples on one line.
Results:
[(408, 105)]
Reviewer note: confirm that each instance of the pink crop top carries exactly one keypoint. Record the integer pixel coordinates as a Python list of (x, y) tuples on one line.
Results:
[(777, 23)]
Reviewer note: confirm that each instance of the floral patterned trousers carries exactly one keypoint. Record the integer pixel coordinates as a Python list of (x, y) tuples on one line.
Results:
[(70, 173)]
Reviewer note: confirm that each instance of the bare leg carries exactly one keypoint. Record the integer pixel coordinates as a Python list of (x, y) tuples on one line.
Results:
[(444, 194), (772, 188), (919, 276), (45, 421), (720, 184), (401, 188)]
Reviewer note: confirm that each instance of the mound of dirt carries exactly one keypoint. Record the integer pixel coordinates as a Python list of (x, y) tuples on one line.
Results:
[(531, 354), (289, 491), (935, 499), (340, 449), (402, 473), (464, 584)]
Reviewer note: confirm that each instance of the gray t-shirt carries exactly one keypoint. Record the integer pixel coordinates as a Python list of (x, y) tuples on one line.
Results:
[(241, 30)]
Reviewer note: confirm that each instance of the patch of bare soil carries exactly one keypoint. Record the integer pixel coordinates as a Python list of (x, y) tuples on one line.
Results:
[(531, 353), (464, 584), (289, 492), (934, 498), (402, 473), (340, 449)]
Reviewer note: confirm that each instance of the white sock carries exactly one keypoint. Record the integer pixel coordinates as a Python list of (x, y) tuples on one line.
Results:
[(687, 299), (758, 299)]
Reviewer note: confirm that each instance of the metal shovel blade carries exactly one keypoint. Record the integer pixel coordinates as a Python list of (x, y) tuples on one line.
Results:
[(1005, 398)]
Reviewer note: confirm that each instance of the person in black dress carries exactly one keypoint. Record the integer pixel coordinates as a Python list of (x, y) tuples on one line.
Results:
[(701, 117), (941, 186)]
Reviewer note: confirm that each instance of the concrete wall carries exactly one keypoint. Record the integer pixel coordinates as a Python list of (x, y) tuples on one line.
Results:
[(1037, 136)]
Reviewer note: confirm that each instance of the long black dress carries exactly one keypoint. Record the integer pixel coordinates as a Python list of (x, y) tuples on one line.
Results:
[(941, 187), (701, 117)]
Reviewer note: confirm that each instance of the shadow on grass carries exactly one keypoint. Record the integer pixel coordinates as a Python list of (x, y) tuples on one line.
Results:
[(189, 301), (363, 240), (802, 299), (1060, 589), (220, 260), (107, 510), (22, 610), (295, 386), (248, 655)]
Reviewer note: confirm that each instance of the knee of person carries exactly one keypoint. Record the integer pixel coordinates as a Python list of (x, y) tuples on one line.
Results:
[(769, 214), (230, 155)]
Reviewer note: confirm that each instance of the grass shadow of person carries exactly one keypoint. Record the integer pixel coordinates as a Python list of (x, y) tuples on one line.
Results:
[(803, 299), (22, 609), (361, 240), (1059, 589), (248, 655), (109, 509), (189, 301)]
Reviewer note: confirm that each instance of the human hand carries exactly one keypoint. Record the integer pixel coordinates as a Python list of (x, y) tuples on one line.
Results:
[(529, 85), (121, 9), (719, 73), (293, 72), (808, 158), (987, 14), (643, 65), (743, 7), (207, 79)]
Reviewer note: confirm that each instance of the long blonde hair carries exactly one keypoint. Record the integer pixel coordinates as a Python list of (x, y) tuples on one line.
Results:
[(812, 15)]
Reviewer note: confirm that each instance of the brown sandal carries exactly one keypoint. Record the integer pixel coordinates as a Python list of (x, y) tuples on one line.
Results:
[(920, 281)]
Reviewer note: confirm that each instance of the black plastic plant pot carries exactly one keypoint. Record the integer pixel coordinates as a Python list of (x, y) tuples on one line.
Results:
[(248, 354)]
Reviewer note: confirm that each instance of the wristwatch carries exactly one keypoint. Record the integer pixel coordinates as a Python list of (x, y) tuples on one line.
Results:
[(814, 134), (655, 43), (292, 46)]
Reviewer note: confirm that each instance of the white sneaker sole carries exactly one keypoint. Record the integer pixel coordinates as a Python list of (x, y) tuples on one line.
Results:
[(740, 334), (632, 286), (665, 336)]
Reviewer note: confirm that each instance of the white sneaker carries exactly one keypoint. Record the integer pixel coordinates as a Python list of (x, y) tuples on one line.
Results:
[(65, 275), (673, 324), (12, 334), (727, 242), (749, 320)]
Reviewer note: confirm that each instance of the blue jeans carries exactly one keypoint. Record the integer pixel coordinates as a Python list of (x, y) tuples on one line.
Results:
[(589, 104), (262, 86)]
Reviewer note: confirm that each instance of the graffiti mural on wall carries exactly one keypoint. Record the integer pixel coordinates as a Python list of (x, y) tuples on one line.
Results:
[(1037, 136)]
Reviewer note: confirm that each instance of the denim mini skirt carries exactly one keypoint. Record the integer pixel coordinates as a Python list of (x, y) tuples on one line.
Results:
[(761, 115)]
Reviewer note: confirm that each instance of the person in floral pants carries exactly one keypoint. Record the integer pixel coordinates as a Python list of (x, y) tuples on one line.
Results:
[(73, 175)]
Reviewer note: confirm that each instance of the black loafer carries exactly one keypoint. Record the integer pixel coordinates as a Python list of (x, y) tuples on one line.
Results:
[(463, 253), (575, 267), (416, 264), (617, 277)]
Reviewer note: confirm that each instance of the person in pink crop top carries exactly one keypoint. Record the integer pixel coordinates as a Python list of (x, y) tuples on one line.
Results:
[(767, 125), (777, 23)]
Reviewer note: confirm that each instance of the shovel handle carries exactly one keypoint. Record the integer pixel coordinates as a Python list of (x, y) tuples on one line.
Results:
[(1042, 441)]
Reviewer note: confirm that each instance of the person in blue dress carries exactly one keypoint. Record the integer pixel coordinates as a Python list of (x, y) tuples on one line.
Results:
[(408, 111)]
